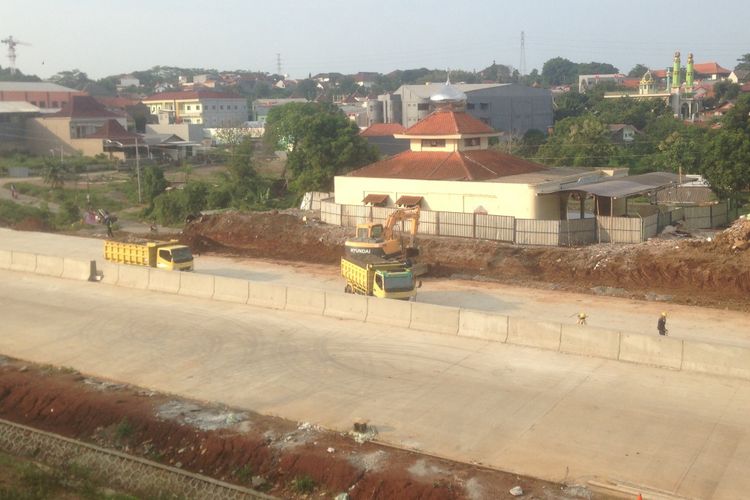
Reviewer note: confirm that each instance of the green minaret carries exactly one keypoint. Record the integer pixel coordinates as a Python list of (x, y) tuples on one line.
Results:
[(689, 73), (676, 71)]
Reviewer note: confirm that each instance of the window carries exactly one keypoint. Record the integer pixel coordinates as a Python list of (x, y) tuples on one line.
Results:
[(165, 255), (197, 107), (213, 106), (469, 105), (188, 107), (433, 143), (62, 104), (473, 141), (42, 104), (235, 107), (484, 106), (54, 104), (221, 106), (423, 106)]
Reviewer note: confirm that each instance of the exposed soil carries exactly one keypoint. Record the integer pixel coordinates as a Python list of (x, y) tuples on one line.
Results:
[(242, 447), (689, 270)]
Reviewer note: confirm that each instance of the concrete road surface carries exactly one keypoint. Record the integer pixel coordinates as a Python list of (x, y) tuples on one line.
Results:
[(697, 323), (558, 417)]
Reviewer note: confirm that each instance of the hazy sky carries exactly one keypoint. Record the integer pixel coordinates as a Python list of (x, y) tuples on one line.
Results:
[(103, 37)]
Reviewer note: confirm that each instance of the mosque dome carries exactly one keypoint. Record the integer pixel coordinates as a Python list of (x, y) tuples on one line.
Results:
[(447, 94)]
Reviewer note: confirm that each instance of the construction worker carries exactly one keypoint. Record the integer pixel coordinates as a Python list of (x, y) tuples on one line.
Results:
[(582, 318), (661, 325)]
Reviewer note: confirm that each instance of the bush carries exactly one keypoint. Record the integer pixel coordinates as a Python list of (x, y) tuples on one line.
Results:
[(303, 484)]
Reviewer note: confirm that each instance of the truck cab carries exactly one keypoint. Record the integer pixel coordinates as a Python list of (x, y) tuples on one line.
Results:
[(174, 258), (393, 284)]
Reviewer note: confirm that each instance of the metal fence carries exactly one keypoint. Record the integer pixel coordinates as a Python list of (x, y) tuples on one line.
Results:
[(600, 229)]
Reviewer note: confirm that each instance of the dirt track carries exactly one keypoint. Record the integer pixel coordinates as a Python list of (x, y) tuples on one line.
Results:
[(688, 271)]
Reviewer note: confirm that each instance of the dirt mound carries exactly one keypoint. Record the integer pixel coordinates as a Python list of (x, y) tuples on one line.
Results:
[(690, 270), (736, 237), (265, 234), (268, 453)]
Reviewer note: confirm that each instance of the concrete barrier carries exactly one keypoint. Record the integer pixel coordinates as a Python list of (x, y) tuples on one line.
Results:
[(23, 261), (49, 265), (589, 341), (483, 325), (651, 350), (163, 281), (345, 306), (388, 312), (196, 285), (434, 318), (305, 300), (5, 259), (717, 359), (541, 334), (269, 295), (133, 277), (81, 270), (110, 272), (231, 289)]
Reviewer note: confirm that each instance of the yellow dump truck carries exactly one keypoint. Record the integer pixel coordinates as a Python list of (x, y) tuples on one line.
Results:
[(170, 255), (391, 280)]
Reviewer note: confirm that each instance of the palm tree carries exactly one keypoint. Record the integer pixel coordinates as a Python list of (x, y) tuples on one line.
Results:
[(54, 173)]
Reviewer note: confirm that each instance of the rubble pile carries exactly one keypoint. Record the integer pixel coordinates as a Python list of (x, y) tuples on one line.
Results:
[(737, 236)]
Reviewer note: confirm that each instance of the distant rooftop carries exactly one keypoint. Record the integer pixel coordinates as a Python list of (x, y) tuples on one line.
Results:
[(33, 87), (426, 91), (17, 107)]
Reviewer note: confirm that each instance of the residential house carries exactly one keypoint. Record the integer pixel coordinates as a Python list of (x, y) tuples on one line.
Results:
[(586, 82), (208, 108), (382, 137), (366, 79), (76, 128), (622, 133)]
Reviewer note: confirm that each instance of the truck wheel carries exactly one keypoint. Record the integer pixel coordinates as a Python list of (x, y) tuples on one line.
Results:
[(348, 289)]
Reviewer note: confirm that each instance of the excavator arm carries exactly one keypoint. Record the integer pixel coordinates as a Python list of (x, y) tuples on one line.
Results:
[(400, 215)]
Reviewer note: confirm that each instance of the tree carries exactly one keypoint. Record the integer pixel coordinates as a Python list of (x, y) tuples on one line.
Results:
[(726, 162), (726, 91), (322, 142), (638, 71), (680, 152), (54, 173), (153, 182), (597, 68), (570, 104), (744, 62), (559, 71), (636, 112), (74, 79), (307, 89), (581, 141)]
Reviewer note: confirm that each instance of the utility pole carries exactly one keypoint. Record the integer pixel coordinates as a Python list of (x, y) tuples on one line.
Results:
[(138, 169), (522, 65), (278, 64)]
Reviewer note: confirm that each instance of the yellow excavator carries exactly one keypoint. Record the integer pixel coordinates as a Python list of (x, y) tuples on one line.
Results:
[(380, 240)]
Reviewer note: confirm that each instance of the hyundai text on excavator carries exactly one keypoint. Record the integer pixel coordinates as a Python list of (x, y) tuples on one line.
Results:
[(378, 240)]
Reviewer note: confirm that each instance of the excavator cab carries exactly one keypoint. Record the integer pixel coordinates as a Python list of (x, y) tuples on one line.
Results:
[(369, 231)]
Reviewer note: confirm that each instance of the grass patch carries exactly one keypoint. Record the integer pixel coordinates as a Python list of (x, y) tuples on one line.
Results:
[(303, 484), (124, 430)]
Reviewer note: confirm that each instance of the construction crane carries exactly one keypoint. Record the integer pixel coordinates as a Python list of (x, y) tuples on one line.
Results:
[(11, 43)]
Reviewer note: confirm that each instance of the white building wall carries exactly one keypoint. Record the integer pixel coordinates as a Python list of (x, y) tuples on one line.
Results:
[(497, 198)]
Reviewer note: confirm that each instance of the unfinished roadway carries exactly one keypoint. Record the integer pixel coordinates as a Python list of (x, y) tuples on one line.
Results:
[(549, 415)]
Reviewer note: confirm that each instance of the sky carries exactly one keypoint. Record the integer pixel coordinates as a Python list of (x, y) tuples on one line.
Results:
[(104, 37)]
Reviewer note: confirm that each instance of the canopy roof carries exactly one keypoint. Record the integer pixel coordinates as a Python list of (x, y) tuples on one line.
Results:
[(631, 185)]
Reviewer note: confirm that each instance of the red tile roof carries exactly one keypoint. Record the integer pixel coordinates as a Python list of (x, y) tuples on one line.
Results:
[(84, 106), (745, 87), (117, 102), (192, 94), (710, 68), (659, 73), (382, 130), (448, 123), (114, 131), (479, 165)]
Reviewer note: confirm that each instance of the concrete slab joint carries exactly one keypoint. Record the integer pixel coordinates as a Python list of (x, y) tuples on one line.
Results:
[(345, 306), (483, 325), (540, 334), (434, 318)]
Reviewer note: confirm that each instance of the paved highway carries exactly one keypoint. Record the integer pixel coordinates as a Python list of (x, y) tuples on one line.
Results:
[(690, 322), (530, 411)]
